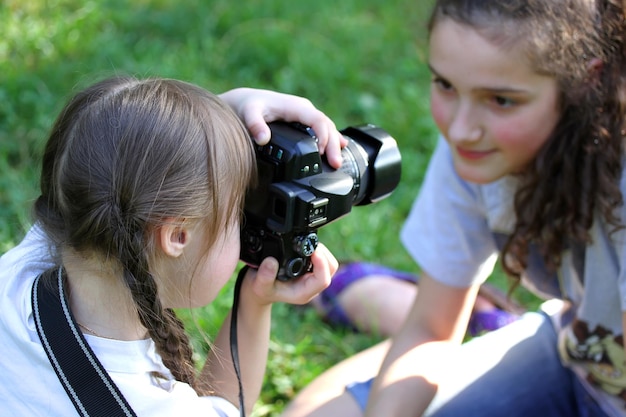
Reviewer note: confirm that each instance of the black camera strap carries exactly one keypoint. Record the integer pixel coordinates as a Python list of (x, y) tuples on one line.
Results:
[(87, 383), (234, 344)]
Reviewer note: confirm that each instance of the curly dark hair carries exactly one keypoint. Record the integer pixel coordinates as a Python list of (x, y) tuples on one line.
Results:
[(576, 173)]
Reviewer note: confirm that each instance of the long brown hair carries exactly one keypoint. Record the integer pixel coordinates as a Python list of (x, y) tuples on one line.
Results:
[(123, 156), (577, 171)]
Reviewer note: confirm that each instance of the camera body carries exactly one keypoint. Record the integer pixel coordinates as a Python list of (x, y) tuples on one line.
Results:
[(298, 192)]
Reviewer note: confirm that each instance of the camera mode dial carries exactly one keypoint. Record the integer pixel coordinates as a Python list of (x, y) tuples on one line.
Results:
[(305, 245)]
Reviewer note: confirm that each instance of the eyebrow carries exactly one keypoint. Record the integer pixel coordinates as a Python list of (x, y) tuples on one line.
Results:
[(492, 90)]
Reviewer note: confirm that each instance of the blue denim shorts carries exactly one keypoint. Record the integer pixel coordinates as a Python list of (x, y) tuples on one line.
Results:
[(519, 374)]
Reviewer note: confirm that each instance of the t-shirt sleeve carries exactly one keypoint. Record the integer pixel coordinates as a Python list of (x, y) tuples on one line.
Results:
[(33, 254), (447, 233)]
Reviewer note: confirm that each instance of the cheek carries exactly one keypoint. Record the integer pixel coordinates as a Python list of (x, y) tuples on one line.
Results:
[(217, 269), (509, 135), (523, 137), (439, 112)]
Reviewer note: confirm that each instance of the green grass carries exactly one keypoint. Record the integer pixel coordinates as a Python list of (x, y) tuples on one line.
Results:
[(358, 60)]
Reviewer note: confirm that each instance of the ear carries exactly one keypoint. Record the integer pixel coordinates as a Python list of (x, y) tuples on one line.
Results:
[(173, 237), (594, 66)]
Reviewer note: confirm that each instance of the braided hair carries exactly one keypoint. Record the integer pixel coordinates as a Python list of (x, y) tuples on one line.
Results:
[(123, 157)]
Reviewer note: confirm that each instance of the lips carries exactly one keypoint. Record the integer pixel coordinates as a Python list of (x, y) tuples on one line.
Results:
[(473, 155)]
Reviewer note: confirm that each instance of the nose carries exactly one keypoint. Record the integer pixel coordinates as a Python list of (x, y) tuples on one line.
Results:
[(464, 124)]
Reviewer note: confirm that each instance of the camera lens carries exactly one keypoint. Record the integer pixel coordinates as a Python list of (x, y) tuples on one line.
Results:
[(298, 191), (373, 160), (355, 165)]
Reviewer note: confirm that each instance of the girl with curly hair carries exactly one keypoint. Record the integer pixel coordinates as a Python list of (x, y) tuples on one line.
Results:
[(529, 98)]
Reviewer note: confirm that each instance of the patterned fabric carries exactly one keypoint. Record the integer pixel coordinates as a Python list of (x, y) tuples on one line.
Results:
[(600, 353)]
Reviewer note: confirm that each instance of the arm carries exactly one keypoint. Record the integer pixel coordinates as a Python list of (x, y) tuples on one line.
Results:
[(416, 361), (257, 107), (259, 290)]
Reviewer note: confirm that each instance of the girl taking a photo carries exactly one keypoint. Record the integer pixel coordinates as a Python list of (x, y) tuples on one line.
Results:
[(142, 191)]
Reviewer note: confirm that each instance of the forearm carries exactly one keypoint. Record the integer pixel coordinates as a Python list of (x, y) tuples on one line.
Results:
[(409, 379), (253, 328), (423, 351), (259, 290)]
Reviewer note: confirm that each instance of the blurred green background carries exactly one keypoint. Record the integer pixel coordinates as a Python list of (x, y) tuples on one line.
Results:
[(360, 61)]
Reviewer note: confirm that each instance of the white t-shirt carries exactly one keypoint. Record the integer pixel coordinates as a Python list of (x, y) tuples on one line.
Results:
[(30, 387), (456, 229)]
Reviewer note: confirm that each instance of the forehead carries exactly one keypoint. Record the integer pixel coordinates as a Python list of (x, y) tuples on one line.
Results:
[(462, 54)]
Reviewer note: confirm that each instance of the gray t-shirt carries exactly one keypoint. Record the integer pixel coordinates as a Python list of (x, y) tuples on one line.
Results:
[(456, 229)]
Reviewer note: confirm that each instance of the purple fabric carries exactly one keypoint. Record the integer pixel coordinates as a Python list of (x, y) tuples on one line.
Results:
[(484, 321), (480, 322)]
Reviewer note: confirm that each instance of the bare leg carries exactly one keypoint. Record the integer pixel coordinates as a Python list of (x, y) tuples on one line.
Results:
[(326, 395), (378, 304)]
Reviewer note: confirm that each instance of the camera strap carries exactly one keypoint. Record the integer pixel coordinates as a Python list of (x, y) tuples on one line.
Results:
[(234, 343), (87, 383)]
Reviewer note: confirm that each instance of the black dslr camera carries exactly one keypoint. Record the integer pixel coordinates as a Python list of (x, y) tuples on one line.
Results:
[(298, 192)]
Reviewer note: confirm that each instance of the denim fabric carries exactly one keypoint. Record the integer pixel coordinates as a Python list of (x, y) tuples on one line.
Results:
[(514, 371)]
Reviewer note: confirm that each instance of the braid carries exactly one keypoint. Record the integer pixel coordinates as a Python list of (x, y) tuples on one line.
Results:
[(163, 325), (125, 155)]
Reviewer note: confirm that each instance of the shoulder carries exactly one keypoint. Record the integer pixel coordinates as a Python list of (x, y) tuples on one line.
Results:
[(18, 269), (32, 256)]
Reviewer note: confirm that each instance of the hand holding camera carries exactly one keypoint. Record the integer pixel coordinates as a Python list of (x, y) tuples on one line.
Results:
[(298, 192)]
